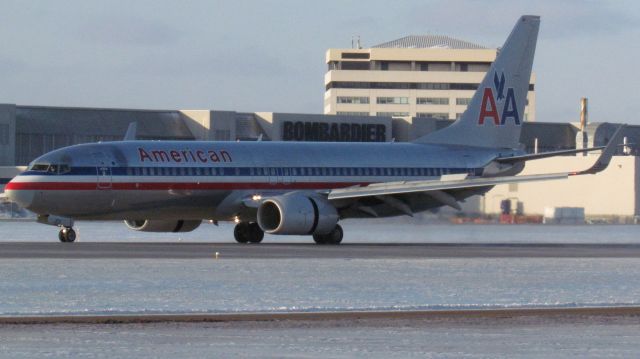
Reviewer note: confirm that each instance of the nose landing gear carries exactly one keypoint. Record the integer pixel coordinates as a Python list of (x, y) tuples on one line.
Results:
[(66, 234)]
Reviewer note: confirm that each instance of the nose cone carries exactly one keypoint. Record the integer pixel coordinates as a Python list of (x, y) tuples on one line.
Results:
[(21, 196)]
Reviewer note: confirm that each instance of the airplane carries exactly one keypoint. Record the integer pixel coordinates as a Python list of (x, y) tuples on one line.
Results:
[(297, 188)]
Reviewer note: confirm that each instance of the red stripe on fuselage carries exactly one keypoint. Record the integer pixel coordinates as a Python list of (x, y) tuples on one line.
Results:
[(166, 186)]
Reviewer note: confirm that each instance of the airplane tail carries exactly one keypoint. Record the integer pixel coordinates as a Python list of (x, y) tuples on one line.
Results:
[(496, 111)]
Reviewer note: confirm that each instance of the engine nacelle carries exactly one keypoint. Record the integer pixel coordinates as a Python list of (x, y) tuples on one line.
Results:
[(297, 214), (146, 225)]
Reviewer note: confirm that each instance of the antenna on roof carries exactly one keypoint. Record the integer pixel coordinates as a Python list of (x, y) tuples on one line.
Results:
[(355, 42)]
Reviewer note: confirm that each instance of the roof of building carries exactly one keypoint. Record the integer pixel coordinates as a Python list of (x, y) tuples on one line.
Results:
[(429, 41), (100, 122)]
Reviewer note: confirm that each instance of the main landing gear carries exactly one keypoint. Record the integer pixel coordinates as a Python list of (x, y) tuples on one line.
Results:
[(66, 234), (248, 232), (333, 237)]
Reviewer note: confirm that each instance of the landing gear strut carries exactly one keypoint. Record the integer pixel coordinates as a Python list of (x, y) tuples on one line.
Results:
[(246, 232), (333, 237), (66, 234)]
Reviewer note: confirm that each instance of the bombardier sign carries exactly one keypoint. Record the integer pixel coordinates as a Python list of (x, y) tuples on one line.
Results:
[(333, 132)]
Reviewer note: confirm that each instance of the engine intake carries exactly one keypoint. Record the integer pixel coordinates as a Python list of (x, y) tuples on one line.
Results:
[(146, 225), (297, 214)]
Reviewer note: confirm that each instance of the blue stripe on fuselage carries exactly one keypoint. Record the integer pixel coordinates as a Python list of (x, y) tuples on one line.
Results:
[(267, 171)]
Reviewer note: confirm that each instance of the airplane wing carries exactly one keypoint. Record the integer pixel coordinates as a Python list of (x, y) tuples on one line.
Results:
[(537, 156), (450, 182)]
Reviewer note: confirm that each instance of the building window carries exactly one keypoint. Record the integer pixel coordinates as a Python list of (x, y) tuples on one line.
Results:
[(384, 66), (438, 115), (433, 86), (222, 135), (405, 85), (392, 100), (4, 134), (355, 55), (354, 65), (463, 101), (432, 101), (360, 100), (393, 114), (351, 113)]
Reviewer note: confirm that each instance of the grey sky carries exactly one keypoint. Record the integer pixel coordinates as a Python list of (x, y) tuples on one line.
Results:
[(269, 55)]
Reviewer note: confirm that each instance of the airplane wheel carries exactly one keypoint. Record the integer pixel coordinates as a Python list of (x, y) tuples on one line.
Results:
[(67, 235), (333, 237), (248, 233), (256, 233), (242, 232)]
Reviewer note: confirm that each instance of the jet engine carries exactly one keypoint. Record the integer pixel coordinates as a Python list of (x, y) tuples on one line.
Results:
[(146, 225), (296, 213)]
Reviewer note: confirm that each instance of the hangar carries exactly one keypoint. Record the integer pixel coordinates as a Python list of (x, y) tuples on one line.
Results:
[(27, 132)]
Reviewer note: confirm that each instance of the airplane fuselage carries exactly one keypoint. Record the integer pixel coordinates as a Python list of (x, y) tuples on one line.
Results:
[(200, 180)]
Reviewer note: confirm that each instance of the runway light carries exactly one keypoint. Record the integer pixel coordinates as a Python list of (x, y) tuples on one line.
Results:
[(217, 255), (256, 197)]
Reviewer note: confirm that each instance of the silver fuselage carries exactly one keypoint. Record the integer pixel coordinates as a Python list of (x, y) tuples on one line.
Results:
[(208, 180)]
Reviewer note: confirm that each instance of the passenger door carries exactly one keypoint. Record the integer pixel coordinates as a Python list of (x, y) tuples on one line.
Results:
[(103, 171)]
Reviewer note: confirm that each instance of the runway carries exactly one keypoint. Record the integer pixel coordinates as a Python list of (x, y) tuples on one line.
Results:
[(463, 314), (119, 250)]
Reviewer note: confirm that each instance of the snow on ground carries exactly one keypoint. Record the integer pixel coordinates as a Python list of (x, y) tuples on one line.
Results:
[(526, 338), (48, 286)]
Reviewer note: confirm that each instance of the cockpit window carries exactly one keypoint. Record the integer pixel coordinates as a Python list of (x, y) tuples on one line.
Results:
[(40, 167), (50, 168)]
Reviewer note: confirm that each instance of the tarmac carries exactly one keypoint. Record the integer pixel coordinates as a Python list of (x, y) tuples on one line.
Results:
[(553, 313), (119, 250)]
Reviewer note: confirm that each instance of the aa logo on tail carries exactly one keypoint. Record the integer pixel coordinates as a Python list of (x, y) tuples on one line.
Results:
[(489, 108)]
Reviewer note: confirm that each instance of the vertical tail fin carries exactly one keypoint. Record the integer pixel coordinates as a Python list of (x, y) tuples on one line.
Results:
[(496, 111)]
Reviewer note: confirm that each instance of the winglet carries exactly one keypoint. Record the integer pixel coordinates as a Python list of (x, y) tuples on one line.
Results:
[(131, 132), (605, 157)]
